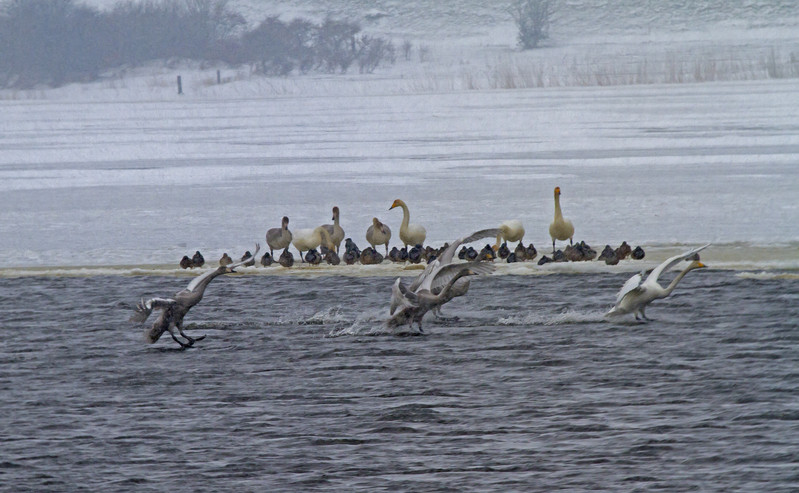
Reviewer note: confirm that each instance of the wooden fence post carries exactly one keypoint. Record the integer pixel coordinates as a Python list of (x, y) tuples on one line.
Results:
[(180, 86)]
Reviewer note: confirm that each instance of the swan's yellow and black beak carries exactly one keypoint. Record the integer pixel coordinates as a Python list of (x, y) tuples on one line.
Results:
[(395, 204)]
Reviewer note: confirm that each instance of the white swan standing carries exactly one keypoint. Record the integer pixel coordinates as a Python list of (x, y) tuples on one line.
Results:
[(637, 293), (279, 238), (560, 228), (510, 230), (307, 239), (173, 310), (378, 234), (410, 234), (335, 230)]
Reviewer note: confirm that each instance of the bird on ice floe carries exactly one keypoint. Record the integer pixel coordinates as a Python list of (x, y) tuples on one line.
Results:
[(510, 230), (174, 309), (279, 238), (335, 230), (637, 293), (378, 234), (560, 229), (410, 234)]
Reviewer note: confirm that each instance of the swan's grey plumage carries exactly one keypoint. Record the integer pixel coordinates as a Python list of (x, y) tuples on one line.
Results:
[(415, 304), (436, 283), (378, 234), (173, 310), (435, 267), (335, 230), (279, 238), (637, 292)]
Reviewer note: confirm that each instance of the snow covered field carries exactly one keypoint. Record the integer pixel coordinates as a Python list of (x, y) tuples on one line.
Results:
[(124, 172)]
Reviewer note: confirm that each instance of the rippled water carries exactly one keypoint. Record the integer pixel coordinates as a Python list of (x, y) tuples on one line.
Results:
[(298, 387)]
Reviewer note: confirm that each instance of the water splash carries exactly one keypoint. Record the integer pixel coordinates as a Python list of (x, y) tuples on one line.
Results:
[(767, 276)]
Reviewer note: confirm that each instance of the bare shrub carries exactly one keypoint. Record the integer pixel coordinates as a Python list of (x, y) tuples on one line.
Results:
[(532, 18), (407, 46), (372, 52), (424, 53), (335, 44)]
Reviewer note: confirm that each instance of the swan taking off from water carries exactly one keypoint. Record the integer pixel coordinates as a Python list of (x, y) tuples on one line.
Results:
[(440, 281), (561, 229), (174, 309), (378, 234), (415, 304), (336, 231), (637, 293), (279, 238), (410, 234)]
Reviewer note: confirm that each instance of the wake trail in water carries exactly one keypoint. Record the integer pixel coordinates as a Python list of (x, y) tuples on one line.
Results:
[(566, 317)]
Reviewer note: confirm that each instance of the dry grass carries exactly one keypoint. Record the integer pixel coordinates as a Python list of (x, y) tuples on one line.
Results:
[(670, 68)]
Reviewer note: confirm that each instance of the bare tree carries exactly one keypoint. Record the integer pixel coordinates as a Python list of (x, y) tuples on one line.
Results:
[(372, 52), (532, 17)]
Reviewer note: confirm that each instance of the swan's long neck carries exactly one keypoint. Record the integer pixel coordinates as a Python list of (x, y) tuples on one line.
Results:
[(335, 219), (406, 216), (499, 241), (558, 213), (673, 283), (200, 288)]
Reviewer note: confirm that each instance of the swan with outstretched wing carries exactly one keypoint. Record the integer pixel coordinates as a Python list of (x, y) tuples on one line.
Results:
[(637, 292), (173, 310)]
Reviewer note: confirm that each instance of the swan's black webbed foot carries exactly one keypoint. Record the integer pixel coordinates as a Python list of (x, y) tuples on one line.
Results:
[(183, 345)]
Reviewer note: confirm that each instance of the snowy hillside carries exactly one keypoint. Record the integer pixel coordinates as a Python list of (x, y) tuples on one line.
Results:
[(471, 45), (433, 19)]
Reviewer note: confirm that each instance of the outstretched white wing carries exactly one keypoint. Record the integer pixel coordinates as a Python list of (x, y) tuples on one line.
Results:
[(448, 272), (632, 284), (671, 262), (145, 308), (433, 268)]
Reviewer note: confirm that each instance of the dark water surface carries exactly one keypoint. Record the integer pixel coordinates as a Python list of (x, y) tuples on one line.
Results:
[(299, 387)]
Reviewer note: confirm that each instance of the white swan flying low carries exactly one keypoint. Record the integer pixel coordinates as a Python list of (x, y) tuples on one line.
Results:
[(410, 234), (637, 293), (174, 309), (560, 229)]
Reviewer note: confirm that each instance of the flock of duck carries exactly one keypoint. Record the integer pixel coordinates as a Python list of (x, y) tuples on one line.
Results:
[(442, 279)]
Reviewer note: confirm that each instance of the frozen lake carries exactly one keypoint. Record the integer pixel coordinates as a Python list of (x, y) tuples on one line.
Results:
[(137, 183)]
